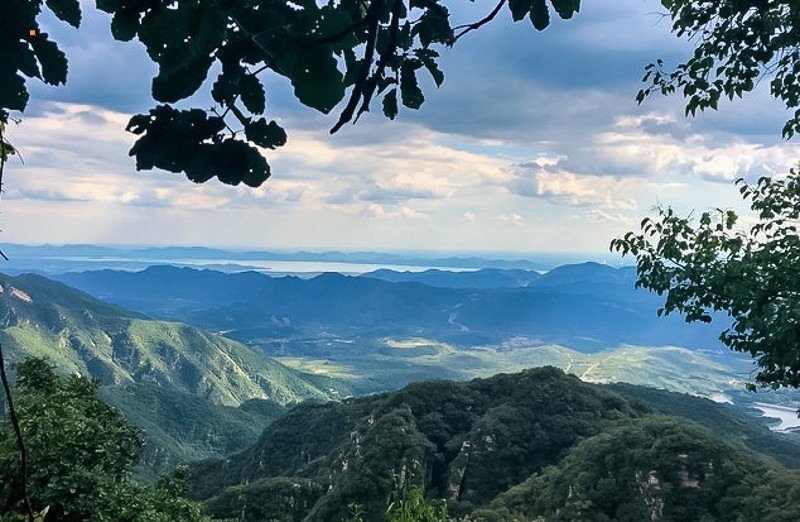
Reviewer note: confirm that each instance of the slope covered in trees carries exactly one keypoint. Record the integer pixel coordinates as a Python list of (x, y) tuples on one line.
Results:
[(654, 468), (44, 318), (483, 445), (195, 394), (79, 457)]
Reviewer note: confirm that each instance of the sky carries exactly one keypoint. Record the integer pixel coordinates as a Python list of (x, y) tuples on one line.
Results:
[(533, 144)]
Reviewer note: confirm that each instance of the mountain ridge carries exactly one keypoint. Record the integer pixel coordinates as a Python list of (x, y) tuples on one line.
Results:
[(472, 443), (571, 306), (148, 366)]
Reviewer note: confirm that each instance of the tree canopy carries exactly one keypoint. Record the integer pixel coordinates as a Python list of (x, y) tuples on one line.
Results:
[(738, 43), (329, 51), (718, 266), (714, 264), (80, 454)]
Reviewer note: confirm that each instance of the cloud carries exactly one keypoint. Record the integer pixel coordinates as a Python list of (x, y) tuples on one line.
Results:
[(512, 219), (78, 152), (412, 167), (565, 188)]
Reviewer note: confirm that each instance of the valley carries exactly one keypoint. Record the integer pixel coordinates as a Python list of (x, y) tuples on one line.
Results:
[(385, 329), (263, 381)]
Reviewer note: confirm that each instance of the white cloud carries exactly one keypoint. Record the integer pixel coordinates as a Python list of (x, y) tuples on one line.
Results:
[(512, 219)]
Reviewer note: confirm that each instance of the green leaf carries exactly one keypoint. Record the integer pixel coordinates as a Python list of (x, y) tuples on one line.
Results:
[(25, 60), (237, 162), (183, 42), (390, 104), (190, 142), (519, 9), (201, 168), (252, 94), (108, 6), (125, 25), (170, 139), (540, 15), (53, 61), (210, 32), (68, 11), (566, 8), (428, 59), (172, 85), (224, 89), (317, 81), (434, 26), (332, 20), (410, 92), (268, 135)]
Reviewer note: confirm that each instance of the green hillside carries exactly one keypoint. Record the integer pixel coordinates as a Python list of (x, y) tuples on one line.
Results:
[(183, 386), (475, 443), (182, 428), (656, 468), (80, 334), (391, 362)]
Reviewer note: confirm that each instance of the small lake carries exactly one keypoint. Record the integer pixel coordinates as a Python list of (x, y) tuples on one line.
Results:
[(787, 416)]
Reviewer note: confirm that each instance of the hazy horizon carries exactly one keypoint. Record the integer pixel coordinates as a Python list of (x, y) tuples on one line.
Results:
[(80, 257)]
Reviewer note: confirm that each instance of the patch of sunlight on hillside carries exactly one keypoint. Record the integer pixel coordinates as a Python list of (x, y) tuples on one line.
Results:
[(319, 367), (417, 342)]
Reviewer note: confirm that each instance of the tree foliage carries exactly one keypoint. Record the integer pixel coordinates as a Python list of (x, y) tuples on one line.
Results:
[(329, 51), (737, 43), (581, 452), (715, 265), (652, 469), (409, 505), (80, 453)]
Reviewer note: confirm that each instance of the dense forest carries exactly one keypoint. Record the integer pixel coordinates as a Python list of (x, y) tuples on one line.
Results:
[(510, 447)]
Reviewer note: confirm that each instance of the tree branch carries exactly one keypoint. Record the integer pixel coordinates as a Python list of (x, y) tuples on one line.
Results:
[(335, 37), (480, 23), (12, 414), (372, 19), (369, 88)]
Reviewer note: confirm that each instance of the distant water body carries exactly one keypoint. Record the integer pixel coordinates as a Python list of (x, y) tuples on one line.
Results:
[(313, 267), (233, 265), (76, 258), (786, 416)]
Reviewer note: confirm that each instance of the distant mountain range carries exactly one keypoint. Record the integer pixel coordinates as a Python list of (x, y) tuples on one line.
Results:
[(483, 278), (52, 259), (155, 369), (587, 306)]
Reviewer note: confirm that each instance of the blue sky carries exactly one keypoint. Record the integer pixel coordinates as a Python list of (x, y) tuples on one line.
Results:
[(533, 143)]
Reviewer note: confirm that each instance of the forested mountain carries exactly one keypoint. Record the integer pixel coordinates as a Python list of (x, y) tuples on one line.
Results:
[(196, 394), (510, 447), (483, 278), (587, 306)]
